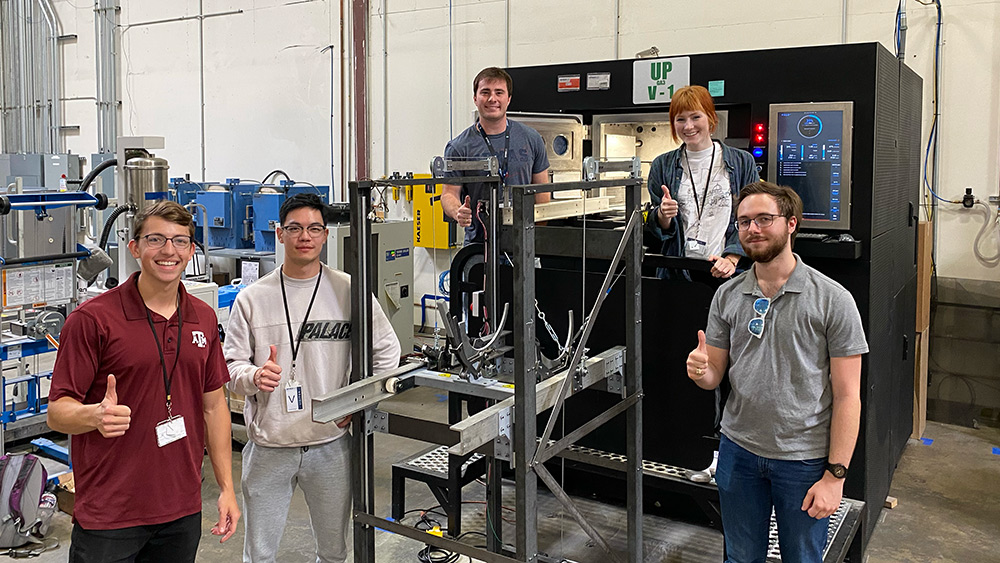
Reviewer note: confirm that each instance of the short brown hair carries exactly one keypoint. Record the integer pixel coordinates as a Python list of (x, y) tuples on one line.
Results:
[(166, 210), (789, 202), (493, 73), (692, 98)]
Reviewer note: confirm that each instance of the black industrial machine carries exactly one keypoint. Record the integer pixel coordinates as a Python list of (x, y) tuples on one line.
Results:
[(841, 125)]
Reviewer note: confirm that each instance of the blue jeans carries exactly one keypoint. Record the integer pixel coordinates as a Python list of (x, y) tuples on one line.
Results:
[(749, 486)]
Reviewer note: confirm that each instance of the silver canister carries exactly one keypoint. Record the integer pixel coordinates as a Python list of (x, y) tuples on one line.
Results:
[(144, 175)]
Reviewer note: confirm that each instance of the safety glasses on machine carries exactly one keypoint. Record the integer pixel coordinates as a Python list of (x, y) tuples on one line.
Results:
[(756, 325)]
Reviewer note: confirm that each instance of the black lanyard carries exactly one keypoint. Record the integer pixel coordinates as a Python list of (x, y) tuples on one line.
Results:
[(506, 149), (297, 343), (163, 363), (708, 178)]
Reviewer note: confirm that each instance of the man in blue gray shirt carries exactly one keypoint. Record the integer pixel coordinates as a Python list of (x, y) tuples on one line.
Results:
[(519, 149), (795, 340)]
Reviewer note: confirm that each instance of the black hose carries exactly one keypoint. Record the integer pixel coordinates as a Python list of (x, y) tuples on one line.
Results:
[(110, 223), (203, 252), (274, 173), (97, 170)]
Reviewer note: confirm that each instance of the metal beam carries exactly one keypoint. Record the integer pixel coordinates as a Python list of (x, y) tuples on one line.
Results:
[(525, 419), (532, 189), (430, 539), (453, 383), (363, 445), (633, 380), (484, 426), (358, 395)]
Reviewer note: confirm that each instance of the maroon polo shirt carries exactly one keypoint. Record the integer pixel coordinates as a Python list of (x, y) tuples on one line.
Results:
[(129, 480)]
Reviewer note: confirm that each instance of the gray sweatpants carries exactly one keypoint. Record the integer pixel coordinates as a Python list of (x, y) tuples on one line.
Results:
[(270, 475)]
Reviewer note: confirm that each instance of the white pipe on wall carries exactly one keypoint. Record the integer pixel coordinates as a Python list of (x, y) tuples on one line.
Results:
[(55, 75)]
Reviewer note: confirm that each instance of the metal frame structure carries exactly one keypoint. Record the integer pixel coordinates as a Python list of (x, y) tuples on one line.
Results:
[(485, 432)]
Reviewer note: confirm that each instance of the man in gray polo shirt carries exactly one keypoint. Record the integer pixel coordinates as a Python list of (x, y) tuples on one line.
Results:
[(794, 339)]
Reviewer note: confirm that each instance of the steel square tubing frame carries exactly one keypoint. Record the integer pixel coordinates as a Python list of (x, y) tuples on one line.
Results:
[(525, 370), (363, 454), (362, 471)]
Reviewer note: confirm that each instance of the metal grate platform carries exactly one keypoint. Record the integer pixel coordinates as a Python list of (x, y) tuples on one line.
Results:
[(662, 470), (436, 460)]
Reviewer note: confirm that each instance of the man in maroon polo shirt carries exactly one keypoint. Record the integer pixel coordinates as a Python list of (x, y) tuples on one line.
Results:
[(138, 384)]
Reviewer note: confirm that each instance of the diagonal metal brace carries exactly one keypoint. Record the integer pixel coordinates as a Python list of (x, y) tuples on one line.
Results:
[(482, 427), (588, 325), (567, 503), (558, 446)]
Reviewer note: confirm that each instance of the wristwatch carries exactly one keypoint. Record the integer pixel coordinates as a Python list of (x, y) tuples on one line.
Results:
[(837, 470)]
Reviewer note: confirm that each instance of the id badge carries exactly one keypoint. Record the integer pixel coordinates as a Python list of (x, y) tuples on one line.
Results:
[(694, 247), (293, 396), (170, 431)]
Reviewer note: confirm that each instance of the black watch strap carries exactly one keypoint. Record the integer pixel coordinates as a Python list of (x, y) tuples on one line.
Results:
[(837, 470)]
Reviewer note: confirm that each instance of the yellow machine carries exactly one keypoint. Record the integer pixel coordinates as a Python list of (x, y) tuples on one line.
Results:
[(430, 229)]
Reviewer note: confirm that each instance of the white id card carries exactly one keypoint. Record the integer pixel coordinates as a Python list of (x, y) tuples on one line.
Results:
[(170, 431), (695, 248), (694, 245), (293, 396)]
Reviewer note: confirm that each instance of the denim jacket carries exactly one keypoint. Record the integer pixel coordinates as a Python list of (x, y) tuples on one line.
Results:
[(666, 170)]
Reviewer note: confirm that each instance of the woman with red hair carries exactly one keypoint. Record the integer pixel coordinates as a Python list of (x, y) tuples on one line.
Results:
[(695, 186)]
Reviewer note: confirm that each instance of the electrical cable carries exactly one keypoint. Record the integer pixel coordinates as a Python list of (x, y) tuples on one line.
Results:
[(273, 173), (936, 91), (899, 8), (989, 260)]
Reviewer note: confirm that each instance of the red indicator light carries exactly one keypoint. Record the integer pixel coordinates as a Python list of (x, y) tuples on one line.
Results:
[(760, 127), (758, 138)]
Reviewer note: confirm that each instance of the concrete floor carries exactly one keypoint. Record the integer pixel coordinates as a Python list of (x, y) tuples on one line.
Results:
[(948, 511)]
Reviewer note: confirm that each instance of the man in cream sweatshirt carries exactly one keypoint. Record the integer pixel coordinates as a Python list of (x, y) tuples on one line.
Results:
[(289, 340)]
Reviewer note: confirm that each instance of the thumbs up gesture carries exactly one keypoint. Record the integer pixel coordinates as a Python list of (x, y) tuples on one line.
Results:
[(268, 376), (668, 208), (112, 419), (464, 217), (697, 362)]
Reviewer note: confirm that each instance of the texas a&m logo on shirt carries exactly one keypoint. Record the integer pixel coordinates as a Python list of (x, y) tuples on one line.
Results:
[(198, 337)]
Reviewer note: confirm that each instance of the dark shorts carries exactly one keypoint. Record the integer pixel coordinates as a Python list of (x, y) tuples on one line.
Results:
[(173, 541)]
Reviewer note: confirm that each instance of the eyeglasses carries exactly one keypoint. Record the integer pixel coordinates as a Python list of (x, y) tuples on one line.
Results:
[(763, 221), (157, 241), (315, 230), (756, 325)]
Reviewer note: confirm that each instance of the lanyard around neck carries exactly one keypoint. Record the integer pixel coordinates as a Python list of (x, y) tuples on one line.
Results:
[(700, 206), (506, 148), (296, 343), (163, 363)]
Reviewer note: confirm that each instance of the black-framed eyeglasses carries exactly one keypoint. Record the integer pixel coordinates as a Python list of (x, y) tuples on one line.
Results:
[(315, 230), (756, 325), (764, 220), (157, 241)]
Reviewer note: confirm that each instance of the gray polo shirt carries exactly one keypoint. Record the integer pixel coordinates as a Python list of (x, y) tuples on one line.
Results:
[(782, 398)]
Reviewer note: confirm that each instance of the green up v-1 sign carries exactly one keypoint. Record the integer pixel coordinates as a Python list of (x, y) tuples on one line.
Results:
[(654, 81)]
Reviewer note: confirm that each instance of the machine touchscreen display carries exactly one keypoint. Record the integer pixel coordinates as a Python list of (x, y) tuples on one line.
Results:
[(810, 151)]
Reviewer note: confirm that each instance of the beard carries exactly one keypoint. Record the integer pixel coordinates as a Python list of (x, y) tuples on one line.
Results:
[(773, 248)]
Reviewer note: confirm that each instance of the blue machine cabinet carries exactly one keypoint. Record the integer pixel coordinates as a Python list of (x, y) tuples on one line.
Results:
[(266, 207), (229, 211)]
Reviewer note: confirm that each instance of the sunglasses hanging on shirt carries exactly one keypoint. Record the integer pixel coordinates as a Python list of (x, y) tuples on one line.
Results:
[(756, 325)]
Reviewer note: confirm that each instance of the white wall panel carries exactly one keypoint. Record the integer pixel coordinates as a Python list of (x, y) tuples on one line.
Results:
[(267, 93), (268, 87)]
